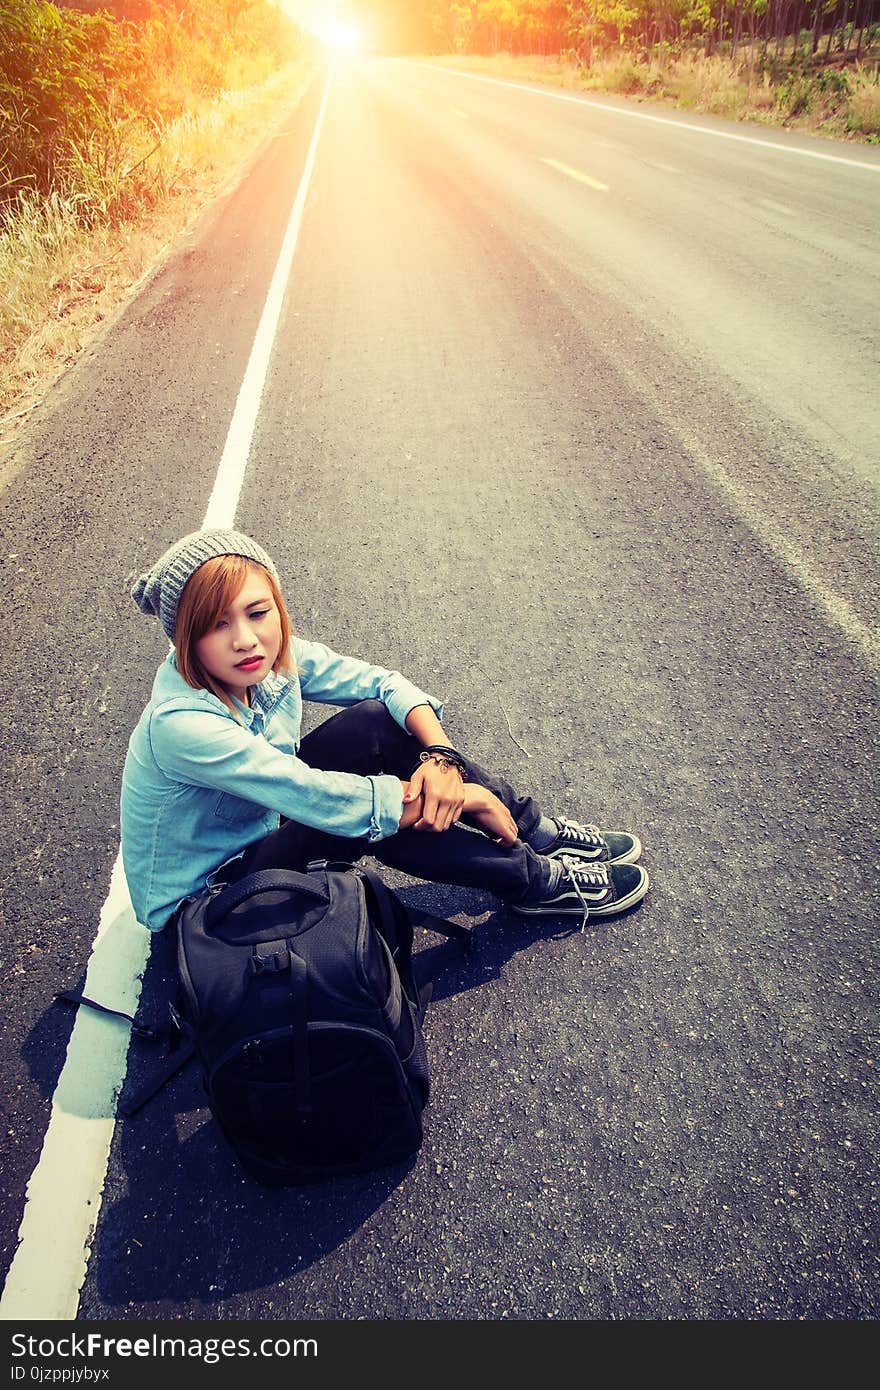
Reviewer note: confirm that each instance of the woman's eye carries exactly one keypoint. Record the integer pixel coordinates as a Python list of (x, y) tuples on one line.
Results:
[(262, 613)]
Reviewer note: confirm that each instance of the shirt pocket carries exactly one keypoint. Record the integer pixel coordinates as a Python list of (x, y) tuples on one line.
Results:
[(235, 810)]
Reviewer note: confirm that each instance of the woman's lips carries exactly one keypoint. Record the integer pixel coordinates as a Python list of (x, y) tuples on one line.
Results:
[(250, 664)]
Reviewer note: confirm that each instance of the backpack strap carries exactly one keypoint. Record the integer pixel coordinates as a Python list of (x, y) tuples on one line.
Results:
[(177, 1056), (417, 975), (142, 1030), (174, 1062), (441, 925), (299, 1038), (283, 978), (263, 881)]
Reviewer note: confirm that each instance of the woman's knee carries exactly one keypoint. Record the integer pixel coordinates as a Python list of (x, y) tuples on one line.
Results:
[(373, 719), (390, 741), (373, 711)]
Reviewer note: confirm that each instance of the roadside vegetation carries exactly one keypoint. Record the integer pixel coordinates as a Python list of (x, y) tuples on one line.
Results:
[(114, 128), (807, 64), (119, 118), (839, 104)]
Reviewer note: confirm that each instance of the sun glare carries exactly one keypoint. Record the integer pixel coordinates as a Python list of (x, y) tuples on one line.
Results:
[(341, 37)]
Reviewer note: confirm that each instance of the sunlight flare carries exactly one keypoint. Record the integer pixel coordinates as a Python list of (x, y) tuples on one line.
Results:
[(341, 36)]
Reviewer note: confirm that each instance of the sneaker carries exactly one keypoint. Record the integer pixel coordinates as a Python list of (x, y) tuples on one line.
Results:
[(591, 890), (592, 845)]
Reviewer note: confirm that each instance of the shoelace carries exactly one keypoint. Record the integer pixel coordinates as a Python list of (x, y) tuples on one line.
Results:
[(593, 875), (589, 835)]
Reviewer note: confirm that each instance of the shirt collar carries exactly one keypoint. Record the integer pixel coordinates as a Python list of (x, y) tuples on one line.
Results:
[(264, 697)]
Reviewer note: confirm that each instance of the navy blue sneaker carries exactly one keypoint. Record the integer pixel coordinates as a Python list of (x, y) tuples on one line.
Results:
[(592, 845), (590, 890)]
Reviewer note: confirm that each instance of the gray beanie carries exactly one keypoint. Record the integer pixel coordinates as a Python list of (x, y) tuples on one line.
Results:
[(158, 591)]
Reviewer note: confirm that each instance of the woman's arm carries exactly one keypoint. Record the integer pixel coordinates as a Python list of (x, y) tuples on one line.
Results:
[(440, 790), (443, 793), (210, 750), (329, 677), (424, 725)]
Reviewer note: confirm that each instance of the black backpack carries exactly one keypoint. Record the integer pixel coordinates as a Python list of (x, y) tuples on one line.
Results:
[(297, 993), (298, 996)]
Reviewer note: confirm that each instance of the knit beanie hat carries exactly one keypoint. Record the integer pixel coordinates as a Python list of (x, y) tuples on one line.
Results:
[(158, 592)]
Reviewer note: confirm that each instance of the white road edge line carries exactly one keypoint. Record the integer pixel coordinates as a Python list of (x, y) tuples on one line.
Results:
[(64, 1192), (657, 120), (230, 473), (839, 611)]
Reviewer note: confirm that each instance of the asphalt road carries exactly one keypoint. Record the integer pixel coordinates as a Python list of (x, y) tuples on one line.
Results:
[(572, 418)]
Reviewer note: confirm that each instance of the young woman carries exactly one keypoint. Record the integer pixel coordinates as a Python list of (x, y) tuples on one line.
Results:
[(218, 781)]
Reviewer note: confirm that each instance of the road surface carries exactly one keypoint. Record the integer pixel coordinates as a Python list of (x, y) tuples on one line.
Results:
[(570, 415)]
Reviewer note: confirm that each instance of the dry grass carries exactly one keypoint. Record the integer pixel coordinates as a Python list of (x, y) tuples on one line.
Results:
[(62, 281), (864, 103), (838, 104), (711, 85)]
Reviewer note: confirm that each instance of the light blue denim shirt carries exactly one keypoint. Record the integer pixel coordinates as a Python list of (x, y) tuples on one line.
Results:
[(199, 786)]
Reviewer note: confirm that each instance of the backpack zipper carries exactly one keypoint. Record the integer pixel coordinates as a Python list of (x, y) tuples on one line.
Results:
[(251, 1049)]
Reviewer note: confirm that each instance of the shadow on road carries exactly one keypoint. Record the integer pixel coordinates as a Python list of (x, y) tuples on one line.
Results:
[(180, 1221)]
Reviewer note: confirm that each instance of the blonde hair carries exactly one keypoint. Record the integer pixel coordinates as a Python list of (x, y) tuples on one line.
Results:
[(207, 595)]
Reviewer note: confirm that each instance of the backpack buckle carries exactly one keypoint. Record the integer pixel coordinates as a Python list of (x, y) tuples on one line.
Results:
[(272, 962)]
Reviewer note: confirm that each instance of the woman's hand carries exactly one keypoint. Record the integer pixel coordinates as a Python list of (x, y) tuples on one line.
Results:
[(443, 795), (435, 798), (490, 814)]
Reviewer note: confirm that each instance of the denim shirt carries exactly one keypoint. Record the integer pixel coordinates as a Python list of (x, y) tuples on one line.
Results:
[(199, 787)]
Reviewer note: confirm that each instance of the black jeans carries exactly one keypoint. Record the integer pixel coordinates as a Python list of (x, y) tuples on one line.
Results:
[(366, 740)]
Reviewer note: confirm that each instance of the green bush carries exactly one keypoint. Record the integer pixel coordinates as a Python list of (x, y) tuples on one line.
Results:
[(80, 92), (797, 94), (833, 82), (826, 90)]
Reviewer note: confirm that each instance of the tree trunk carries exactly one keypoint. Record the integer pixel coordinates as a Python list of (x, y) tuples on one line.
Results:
[(753, 25), (862, 20), (834, 22), (786, 25), (734, 36), (780, 30)]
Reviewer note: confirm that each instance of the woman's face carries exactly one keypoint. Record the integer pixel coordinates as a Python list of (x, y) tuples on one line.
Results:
[(243, 645)]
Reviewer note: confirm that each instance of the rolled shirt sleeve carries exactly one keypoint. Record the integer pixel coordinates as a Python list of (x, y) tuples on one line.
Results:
[(206, 749), (327, 677)]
